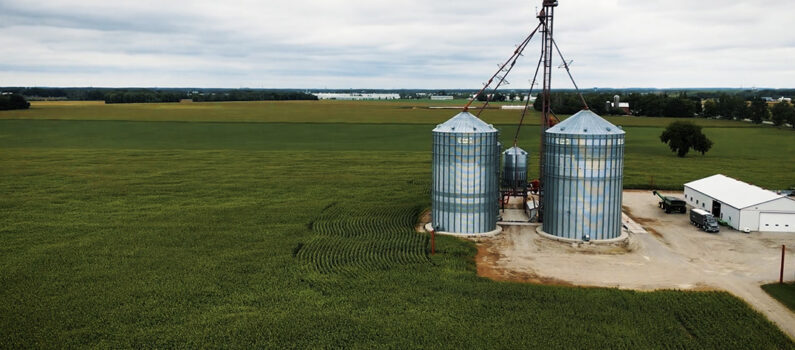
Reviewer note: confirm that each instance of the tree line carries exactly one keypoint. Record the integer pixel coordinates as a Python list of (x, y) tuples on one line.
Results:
[(150, 95), (650, 105), (252, 95), (681, 105)]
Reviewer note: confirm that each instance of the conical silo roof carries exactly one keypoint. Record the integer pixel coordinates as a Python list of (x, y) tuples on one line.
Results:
[(464, 122), (585, 122), (515, 150)]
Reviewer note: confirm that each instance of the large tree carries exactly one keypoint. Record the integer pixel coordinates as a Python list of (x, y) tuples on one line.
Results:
[(682, 136)]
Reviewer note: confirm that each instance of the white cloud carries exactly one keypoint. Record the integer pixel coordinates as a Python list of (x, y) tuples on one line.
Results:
[(390, 44)]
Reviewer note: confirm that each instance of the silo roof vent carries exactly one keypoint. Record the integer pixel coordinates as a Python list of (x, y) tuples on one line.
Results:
[(463, 122), (589, 122)]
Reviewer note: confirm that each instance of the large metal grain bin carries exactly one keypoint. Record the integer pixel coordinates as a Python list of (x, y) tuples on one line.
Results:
[(464, 192), (583, 178), (514, 168)]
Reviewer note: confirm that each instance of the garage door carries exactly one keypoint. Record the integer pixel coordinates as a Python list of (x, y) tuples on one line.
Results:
[(777, 222)]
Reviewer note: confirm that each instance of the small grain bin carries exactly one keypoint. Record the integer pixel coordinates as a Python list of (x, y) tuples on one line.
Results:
[(583, 178), (514, 168), (465, 166)]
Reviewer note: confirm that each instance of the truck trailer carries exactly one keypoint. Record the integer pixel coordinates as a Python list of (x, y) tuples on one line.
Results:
[(671, 204), (703, 220)]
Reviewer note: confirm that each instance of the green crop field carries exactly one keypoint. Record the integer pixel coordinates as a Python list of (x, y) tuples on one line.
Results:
[(369, 112), (118, 229), (785, 293)]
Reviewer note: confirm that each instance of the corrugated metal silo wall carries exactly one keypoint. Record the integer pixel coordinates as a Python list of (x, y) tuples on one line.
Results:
[(514, 169), (583, 185), (465, 192)]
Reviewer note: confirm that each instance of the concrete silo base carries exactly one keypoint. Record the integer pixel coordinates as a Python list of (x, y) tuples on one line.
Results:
[(429, 227), (624, 237)]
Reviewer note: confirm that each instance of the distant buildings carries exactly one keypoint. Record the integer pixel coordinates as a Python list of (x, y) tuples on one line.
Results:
[(617, 104), (355, 96), (441, 98)]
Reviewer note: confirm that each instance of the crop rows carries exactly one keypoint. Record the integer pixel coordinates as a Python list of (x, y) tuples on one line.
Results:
[(352, 240)]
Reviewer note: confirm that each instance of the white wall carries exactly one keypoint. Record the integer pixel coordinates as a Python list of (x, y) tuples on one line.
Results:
[(729, 214), (750, 215)]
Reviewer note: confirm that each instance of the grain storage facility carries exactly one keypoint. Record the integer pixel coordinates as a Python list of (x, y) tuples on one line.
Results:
[(464, 192), (743, 206), (514, 168), (583, 178)]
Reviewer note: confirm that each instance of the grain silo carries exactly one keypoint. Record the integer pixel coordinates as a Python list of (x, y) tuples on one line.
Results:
[(583, 178), (465, 192), (514, 168)]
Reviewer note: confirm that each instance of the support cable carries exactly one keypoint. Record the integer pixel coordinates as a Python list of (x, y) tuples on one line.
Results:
[(566, 65), (508, 71), (527, 102), (516, 53)]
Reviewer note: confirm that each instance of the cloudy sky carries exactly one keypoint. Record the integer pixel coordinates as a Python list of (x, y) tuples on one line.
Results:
[(391, 44)]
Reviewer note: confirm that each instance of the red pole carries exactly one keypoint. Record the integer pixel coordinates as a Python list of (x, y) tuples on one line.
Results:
[(433, 241), (781, 274)]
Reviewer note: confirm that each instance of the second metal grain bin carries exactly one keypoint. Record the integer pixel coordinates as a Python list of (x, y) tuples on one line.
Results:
[(583, 178), (464, 192), (514, 168)]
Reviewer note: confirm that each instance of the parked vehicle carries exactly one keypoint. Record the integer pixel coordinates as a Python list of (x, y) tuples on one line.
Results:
[(671, 204), (704, 220)]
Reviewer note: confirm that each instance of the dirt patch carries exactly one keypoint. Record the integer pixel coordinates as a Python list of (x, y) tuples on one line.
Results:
[(646, 223), (425, 218), (487, 259), (657, 234)]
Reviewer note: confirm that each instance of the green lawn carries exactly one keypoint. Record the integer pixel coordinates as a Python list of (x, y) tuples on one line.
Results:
[(785, 293), (124, 234)]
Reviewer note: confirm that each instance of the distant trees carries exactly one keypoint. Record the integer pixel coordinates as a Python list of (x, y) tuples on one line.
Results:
[(142, 96), (650, 105), (783, 112), (711, 109), (483, 97), (570, 103), (252, 95), (682, 136), (733, 107), (13, 101), (663, 105), (759, 111)]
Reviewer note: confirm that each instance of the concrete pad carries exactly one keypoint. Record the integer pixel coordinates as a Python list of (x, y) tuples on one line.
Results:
[(498, 230), (513, 215)]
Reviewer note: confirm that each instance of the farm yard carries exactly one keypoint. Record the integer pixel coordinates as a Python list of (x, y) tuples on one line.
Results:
[(291, 224)]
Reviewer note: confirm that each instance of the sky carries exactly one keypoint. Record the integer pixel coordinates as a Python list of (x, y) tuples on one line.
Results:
[(436, 44)]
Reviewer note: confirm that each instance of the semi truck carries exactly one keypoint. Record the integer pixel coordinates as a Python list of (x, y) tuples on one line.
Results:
[(671, 204), (703, 220)]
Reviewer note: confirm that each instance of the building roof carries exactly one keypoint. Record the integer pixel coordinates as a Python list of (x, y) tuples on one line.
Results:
[(465, 122), (733, 192), (585, 122)]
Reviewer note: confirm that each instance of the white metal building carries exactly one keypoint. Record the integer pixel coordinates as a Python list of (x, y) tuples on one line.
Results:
[(744, 206)]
